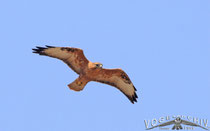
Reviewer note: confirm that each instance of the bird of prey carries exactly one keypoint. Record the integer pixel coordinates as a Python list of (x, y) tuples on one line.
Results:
[(89, 71), (177, 124)]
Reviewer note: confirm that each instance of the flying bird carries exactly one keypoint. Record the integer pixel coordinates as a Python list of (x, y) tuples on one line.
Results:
[(89, 71), (177, 124)]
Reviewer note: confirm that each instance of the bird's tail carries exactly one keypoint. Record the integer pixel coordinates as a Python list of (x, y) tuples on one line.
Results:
[(177, 127), (78, 84)]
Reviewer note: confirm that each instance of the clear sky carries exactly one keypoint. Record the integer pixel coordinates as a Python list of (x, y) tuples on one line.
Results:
[(163, 45)]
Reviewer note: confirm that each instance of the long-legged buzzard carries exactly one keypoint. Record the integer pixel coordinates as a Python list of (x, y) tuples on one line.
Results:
[(89, 71)]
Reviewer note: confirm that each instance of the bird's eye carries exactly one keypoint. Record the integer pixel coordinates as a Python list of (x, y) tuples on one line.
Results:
[(97, 65)]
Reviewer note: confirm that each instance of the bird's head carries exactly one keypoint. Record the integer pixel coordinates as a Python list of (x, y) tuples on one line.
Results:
[(178, 119), (98, 65), (95, 65)]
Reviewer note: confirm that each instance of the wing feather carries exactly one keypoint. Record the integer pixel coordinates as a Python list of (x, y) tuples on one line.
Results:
[(73, 57), (119, 79), (163, 124), (192, 124)]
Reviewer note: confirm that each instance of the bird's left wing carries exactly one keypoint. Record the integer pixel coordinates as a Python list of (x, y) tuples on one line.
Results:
[(73, 57), (192, 124), (119, 79), (164, 124)]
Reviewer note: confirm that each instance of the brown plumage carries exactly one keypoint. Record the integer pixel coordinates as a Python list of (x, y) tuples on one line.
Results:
[(88, 71)]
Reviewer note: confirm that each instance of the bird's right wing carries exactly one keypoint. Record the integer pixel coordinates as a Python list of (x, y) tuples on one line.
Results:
[(73, 57), (192, 124), (119, 79), (164, 124)]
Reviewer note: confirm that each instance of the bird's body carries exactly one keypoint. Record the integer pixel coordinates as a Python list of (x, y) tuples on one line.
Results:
[(89, 71)]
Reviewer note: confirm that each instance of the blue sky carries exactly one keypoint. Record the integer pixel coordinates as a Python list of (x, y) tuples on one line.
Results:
[(162, 45)]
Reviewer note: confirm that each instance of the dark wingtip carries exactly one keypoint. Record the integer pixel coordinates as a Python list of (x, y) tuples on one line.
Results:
[(39, 50), (136, 96), (35, 52), (134, 88), (50, 46), (133, 98)]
